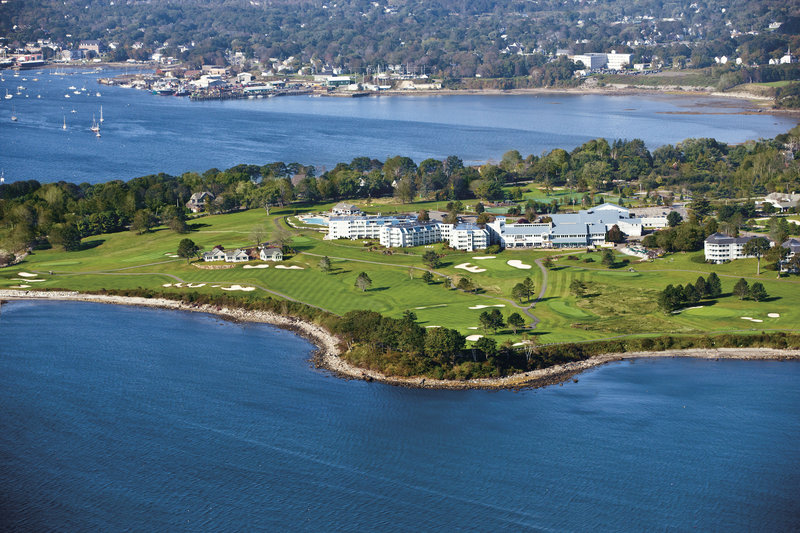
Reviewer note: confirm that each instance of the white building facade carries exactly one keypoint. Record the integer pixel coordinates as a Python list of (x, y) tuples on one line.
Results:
[(719, 248)]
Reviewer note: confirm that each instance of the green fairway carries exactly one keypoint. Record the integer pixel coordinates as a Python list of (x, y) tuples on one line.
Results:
[(619, 301)]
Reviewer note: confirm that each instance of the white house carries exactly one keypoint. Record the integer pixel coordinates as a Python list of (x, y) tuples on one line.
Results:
[(236, 256), (793, 245), (270, 253), (198, 201), (217, 253), (719, 248), (345, 209), (782, 202)]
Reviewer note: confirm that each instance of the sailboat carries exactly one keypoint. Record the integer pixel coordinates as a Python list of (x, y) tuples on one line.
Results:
[(13, 115), (9, 96), (95, 126), (101, 114), (64, 127), (97, 133)]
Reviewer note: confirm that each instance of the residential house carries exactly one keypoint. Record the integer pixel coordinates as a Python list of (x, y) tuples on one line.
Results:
[(217, 253), (782, 201), (197, 202), (237, 256), (270, 253), (793, 245), (345, 209), (90, 47)]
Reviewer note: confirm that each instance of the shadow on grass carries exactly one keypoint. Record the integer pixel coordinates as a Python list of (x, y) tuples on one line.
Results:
[(378, 289), (94, 243), (197, 226)]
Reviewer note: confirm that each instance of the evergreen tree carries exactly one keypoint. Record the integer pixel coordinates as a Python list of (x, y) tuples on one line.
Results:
[(741, 290), (515, 322), (363, 281), (714, 286), (758, 292), (701, 287)]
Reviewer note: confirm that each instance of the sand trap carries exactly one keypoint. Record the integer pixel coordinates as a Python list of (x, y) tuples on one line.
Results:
[(774, 315), (195, 285), (179, 285), (238, 288), (756, 320), (473, 328), (256, 266), (290, 267), (470, 268), (474, 337), (27, 274), (430, 306), (167, 285), (20, 286), (523, 343), (746, 318), (485, 306), (518, 264), (174, 255), (485, 257), (215, 286), (28, 280), (433, 326)]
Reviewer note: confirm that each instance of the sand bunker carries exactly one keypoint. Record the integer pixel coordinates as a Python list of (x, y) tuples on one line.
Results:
[(485, 306), (174, 255), (751, 319), (474, 337), (470, 268), (485, 257), (774, 315), (523, 343), (256, 266), (238, 288), (518, 264), (28, 280), (290, 267), (756, 320), (20, 286), (196, 285), (167, 285), (27, 274), (473, 328), (433, 326), (430, 306)]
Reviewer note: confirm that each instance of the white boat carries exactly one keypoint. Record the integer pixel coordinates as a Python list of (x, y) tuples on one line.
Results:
[(73, 110), (95, 127), (66, 96), (9, 96), (13, 115), (101, 115), (76, 92), (97, 94), (64, 126), (71, 87)]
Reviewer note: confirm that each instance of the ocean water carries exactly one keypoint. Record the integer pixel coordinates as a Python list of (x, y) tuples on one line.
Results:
[(144, 134), (117, 418)]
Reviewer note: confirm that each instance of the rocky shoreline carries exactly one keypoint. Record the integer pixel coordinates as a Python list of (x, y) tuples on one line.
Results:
[(327, 355)]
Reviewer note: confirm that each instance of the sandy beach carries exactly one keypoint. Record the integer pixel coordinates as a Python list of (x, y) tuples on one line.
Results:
[(327, 355)]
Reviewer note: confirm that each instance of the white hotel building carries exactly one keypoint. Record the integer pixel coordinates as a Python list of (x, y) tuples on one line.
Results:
[(719, 248)]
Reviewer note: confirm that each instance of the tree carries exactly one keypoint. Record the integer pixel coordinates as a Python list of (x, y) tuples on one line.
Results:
[(284, 239), (690, 294), (423, 216), (443, 344), (143, 220), (66, 236), (614, 235), (187, 249), (608, 258), (491, 320), (757, 247), (325, 264), (515, 322), (547, 262), (741, 290), (701, 287), (427, 277), (258, 234), (518, 292), (578, 288), (714, 286), (363, 281), (431, 259), (6, 258), (529, 287), (465, 284), (757, 291), (487, 346), (674, 218), (670, 298)]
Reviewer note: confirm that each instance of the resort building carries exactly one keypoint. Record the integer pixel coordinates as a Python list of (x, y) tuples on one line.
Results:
[(719, 248), (363, 227), (467, 237), (782, 202), (345, 209), (218, 253), (411, 234), (585, 228)]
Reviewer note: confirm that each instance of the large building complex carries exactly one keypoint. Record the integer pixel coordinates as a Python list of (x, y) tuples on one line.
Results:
[(587, 227), (569, 230)]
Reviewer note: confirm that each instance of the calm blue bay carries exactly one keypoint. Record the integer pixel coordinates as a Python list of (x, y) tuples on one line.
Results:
[(117, 418), (143, 134)]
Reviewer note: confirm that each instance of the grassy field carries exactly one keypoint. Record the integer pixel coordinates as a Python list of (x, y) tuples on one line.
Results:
[(619, 301)]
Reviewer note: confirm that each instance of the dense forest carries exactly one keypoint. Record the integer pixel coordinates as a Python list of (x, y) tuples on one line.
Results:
[(707, 170), (450, 38)]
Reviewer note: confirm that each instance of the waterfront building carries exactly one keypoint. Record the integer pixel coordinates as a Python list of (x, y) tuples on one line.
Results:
[(720, 248), (364, 226), (411, 234), (591, 61), (585, 228), (615, 61)]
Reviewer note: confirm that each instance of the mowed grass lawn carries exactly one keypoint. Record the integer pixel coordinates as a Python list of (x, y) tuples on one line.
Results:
[(618, 301)]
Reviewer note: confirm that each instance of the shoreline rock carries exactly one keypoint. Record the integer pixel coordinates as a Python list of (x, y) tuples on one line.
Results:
[(327, 353)]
